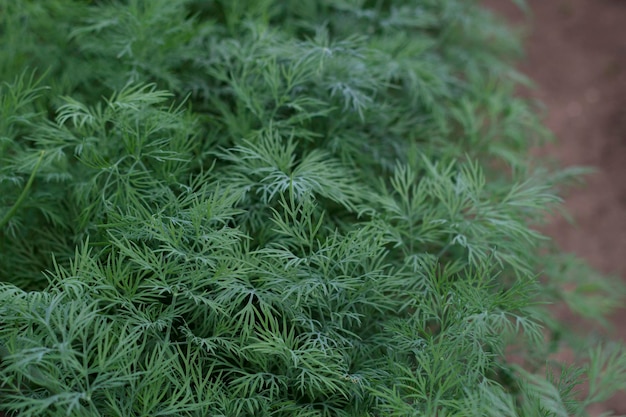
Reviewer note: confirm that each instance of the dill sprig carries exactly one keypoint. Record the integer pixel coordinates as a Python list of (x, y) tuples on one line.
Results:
[(279, 208)]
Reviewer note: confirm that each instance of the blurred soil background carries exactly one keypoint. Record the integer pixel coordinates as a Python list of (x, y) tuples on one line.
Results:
[(576, 55)]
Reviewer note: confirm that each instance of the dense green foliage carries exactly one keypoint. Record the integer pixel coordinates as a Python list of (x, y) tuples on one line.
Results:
[(277, 208)]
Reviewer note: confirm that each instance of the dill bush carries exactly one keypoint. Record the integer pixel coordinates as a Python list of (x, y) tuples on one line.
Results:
[(279, 208)]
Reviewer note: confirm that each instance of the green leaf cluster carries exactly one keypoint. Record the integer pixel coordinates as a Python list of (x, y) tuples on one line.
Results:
[(276, 208)]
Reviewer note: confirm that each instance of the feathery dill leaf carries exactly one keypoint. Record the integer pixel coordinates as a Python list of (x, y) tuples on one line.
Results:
[(278, 208)]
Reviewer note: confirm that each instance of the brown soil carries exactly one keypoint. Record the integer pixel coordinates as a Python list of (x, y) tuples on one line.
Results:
[(576, 54)]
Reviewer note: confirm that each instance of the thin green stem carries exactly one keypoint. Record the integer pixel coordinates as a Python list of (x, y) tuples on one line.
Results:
[(24, 193)]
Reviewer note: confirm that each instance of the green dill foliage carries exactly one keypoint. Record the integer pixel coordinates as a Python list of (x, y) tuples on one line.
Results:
[(278, 208)]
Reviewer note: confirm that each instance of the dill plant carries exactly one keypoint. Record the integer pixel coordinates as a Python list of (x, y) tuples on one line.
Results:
[(278, 208)]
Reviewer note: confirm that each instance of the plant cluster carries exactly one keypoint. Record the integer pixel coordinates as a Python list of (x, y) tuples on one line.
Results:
[(277, 208)]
